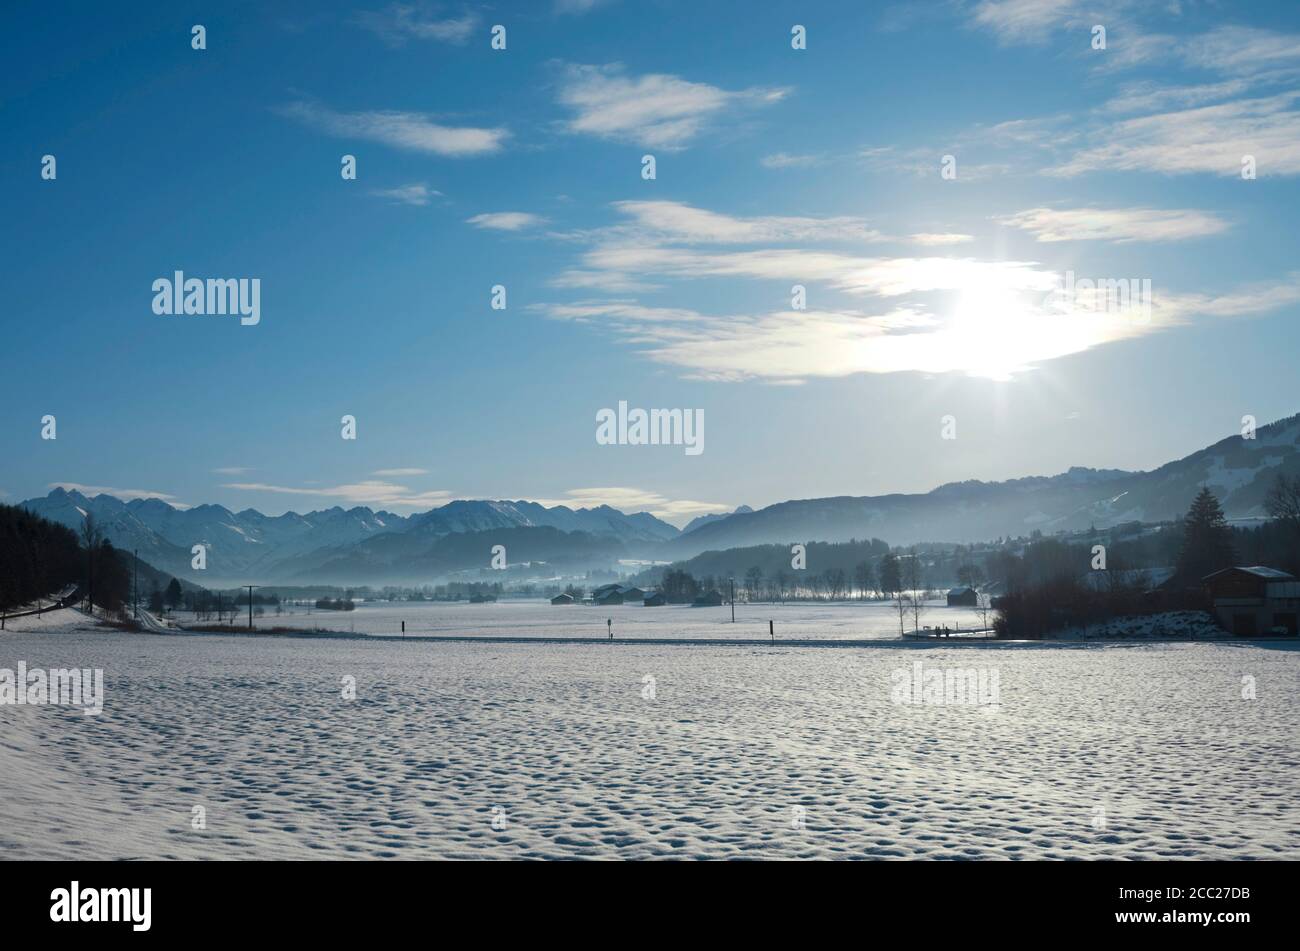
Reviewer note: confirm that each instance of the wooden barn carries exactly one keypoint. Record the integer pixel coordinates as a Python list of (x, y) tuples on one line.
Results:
[(1254, 601), (963, 598)]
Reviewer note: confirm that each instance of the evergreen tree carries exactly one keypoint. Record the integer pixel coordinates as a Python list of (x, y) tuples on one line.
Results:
[(1207, 539), (891, 578), (173, 595)]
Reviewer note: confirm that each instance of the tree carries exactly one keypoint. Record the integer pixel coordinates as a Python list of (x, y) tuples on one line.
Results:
[(1207, 539), (155, 600), (863, 577), (1283, 500), (91, 536), (891, 581), (913, 576), (753, 582), (970, 574), (173, 596)]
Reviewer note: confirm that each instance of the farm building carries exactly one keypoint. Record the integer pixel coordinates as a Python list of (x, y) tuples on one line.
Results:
[(963, 598), (655, 599), (562, 599), (1255, 600), (627, 594)]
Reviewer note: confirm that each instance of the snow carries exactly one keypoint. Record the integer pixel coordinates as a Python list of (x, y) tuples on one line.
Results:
[(563, 740), (1182, 625), (540, 618)]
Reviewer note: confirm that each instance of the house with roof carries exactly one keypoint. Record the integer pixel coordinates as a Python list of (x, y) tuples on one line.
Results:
[(1255, 600), (562, 599), (655, 599), (617, 594), (963, 597)]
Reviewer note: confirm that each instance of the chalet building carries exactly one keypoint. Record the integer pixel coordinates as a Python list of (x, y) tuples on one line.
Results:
[(626, 594), (1252, 601), (655, 599), (963, 598), (562, 599)]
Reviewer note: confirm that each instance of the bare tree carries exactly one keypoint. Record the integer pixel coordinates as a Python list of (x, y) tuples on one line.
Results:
[(1283, 499), (91, 536), (913, 574)]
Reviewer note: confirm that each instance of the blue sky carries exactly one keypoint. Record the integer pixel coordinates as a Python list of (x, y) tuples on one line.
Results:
[(926, 297)]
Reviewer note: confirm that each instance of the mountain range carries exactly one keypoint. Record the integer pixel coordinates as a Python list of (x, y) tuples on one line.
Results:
[(362, 546)]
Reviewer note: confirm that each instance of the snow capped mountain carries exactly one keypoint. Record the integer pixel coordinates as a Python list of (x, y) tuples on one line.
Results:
[(1239, 470), (251, 544), (699, 520)]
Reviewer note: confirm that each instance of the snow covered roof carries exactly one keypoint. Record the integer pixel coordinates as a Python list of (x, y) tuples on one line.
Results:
[(1259, 571), (959, 591)]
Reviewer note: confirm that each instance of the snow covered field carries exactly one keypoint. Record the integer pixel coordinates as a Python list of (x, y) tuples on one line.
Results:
[(537, 618), (1093, 751)]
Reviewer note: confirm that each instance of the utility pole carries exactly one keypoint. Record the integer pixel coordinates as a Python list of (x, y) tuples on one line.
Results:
[(733, 600), (250, 588), (135, 582)]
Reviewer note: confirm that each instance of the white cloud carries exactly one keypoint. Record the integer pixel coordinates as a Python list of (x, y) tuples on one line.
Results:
[(1205, 139), (931, 239), (1242, 50), (578, 6), (416, 193), (888, 277), (679, 222), (370, 492), (989, 331), (403, 130), (399, 22), (1120, 225), (1021, 21), (627, 499), (506, 220), (232, 470), (398, 473), (90, 491), (655, 110), (786, 160)]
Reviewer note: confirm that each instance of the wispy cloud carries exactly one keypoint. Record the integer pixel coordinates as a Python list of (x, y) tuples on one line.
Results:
[(781, 160), (1209, 139), (124, 494), (403, 130), (398, 473), (987, 332), (506, 221), (370, 492), (675, 221), (932, 239), (655, 110), (1121, 225), (416, 193), (627, 499), (399, 22), (232, 470), (578, 6), (1021, 21)]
